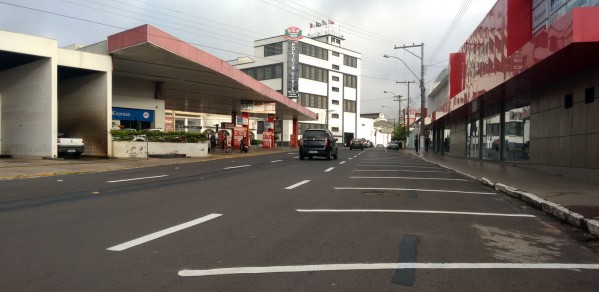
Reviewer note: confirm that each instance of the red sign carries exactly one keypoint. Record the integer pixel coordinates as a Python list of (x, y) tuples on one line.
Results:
[(267, 138), (169, 123)]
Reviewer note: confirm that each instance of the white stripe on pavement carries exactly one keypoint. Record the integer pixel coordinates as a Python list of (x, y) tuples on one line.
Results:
[(342, 162), (274, 161), (418, 190), (385, 266), (139, 178), (401, 170), (410, 211), (233, 167), (297, 185), (398, 165), (162, 233), (407, 177), (329, 169)]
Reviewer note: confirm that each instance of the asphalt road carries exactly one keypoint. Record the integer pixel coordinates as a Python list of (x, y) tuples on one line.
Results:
[(373, 220)]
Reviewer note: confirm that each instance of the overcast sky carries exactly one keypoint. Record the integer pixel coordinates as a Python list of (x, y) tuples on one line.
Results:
[(227, 29)]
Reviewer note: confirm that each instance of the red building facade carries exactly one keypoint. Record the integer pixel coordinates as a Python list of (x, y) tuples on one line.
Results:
[(523, 88)]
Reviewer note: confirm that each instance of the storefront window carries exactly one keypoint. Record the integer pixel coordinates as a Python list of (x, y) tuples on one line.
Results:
[(491, 131), (446, 140), (179, 124), (517, 132), (472, 142)]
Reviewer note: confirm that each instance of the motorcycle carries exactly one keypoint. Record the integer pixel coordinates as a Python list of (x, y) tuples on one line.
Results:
[(243, 147)]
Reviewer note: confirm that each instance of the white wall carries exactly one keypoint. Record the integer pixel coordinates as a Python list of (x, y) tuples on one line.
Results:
[(28, 111), (138, 94)]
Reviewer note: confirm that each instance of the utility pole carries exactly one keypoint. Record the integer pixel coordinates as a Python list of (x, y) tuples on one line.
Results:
[(407, 123), (422, 91)]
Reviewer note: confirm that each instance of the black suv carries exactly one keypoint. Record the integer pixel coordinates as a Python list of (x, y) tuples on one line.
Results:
[(318, 143)]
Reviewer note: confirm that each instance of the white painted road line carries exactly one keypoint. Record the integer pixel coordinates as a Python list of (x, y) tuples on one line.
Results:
[(275, 161), (418, 190), (398, 165), (410, 211), (162, 233), (233, 167), (139, 178), (402, 170), (407, 177), (342, 162), (329, 169), (297, 185), (385, 266)]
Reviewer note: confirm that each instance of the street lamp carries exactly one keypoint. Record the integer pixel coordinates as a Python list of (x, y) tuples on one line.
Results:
[(422, 89), (407, 122)]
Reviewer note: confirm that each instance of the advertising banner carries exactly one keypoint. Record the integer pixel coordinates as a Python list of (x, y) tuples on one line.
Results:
[(293, 34), (238, 133), (267, 138), (258, 107), (129, 114)]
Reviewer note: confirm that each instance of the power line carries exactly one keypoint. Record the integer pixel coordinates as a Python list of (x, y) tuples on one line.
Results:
[(451, 28)]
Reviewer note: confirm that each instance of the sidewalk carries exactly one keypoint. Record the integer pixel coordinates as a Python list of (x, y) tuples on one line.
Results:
[(575, 202)]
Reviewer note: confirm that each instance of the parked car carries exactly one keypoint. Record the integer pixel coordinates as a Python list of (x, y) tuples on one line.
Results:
[(67, 146), (393, 145), (318, 143), (356, 144)]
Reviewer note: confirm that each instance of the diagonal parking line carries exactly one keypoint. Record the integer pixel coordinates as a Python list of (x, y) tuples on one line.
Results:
[(417, 190), (155, 235), (410, 211), (386, 266)]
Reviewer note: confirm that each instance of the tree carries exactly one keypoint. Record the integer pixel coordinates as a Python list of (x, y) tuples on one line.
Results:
[(400, 133)]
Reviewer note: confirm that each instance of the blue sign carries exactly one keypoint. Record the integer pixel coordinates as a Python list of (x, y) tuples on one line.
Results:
[(129, 114)]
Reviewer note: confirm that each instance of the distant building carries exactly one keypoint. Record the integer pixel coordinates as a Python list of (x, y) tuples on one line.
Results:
[(314, 71)]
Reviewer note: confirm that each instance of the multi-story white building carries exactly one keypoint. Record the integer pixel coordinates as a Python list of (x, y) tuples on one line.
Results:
[(314, 71)]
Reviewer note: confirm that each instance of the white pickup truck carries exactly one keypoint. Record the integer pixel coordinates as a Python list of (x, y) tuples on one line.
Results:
[(70, 146)]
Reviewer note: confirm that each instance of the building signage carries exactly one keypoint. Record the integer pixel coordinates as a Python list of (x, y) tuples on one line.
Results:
[(293, 34), (248, 106), (129, 114)]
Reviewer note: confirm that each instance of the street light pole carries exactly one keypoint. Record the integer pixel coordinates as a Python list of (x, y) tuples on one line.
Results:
[(422, 89), (407, 123)]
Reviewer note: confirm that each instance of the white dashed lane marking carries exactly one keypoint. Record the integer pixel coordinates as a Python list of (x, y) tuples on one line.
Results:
[(138, 178), (297, 185)]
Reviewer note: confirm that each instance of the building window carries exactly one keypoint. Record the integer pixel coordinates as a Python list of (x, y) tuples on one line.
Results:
[(314, 51), (265, 72), (335, 116), (350, 61), (335, 129), (589, 95), (335, 78), (313, 73), (350, 81), (335, 102), (335, 67), (568, 99), (335, 89), (273, 49), (336, 54), (349, 106), (312, 100)]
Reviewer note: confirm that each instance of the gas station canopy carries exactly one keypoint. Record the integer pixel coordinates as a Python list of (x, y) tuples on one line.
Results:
[(189, 79)]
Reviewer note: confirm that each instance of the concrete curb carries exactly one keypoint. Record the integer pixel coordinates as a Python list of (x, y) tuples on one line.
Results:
[(560, 212)]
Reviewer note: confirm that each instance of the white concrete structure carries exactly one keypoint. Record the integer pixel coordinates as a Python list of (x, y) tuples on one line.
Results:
[(44, 89), (329, 80)]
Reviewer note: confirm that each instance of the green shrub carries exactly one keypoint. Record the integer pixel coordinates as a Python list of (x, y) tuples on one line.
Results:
[(155, 136)]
